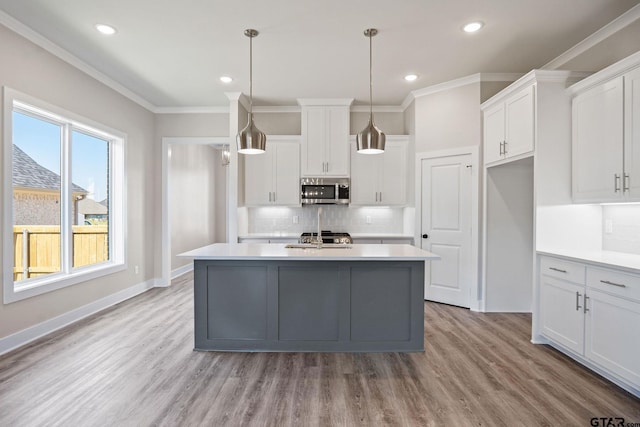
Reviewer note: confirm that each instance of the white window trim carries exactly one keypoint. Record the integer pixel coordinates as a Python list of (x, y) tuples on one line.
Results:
[(117, 202)]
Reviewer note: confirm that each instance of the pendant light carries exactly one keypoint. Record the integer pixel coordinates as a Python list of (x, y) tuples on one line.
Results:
[(251, 140), (371, 139)]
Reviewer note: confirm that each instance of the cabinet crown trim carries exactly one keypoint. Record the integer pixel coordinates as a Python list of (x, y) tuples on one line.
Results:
[(606, 74), (533, 77)]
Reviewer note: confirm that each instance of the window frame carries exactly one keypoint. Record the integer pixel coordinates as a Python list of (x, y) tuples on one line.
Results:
[(69, 275)]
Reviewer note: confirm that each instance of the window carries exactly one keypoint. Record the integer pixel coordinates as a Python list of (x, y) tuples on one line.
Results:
[(63, 198)]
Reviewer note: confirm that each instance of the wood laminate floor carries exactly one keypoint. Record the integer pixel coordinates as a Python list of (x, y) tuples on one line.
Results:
[(133, 365)]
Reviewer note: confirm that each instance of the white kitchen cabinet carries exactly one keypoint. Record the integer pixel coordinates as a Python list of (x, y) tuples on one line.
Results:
[(380, 179), (273, 178), (562, 293), (509, 126), (325, 141), (594, 312), (597, 120), (613, 334), (606, 135), (632, 134)]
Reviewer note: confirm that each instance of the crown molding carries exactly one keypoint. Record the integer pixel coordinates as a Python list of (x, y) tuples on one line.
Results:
[(612, 71), (534, 76), (39, 40), (191, 110), (276, 109), (603, 33), (377, 109), (462, 81), (304, 102)]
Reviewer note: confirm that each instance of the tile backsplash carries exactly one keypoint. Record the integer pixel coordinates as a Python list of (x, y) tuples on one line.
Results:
[(621, 228), (380, 220)]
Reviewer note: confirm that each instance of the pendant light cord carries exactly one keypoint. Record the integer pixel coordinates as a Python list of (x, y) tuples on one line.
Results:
[(251, 74), (370, 76)]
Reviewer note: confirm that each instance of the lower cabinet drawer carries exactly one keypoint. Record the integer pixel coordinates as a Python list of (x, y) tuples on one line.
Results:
[(567, 270), (614, 282)]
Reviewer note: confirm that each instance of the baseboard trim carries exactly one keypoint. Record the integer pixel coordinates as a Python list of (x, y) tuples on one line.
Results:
[(181, 270), (32, 333)]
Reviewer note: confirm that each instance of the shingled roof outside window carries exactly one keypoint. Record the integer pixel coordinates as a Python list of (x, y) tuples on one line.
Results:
[(27, 173)]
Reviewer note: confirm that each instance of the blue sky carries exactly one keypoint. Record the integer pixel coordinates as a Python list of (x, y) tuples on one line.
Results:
[(41, 141)]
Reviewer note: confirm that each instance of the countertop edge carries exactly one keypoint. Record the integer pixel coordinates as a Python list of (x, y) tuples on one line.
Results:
[(605, 259)]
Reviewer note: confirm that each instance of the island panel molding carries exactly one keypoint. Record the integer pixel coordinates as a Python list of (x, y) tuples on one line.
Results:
[(312, 306)]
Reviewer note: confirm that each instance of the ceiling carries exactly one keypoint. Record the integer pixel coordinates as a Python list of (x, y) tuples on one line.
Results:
[(172, 53)]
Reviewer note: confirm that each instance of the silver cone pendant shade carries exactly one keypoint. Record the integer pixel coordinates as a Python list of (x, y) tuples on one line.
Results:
[(251, 140), (371, 139)]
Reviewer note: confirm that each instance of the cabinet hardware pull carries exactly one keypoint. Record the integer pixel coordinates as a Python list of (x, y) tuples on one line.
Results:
[(625, 182), (616, 183), (269, 195), (381, 197), (505, 148), (501, 147), (586, 298), (557, 269), (606, 282), (274, 196), (578, 295)]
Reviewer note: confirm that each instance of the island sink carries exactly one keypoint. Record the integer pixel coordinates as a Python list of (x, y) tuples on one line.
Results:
[(313, 246)]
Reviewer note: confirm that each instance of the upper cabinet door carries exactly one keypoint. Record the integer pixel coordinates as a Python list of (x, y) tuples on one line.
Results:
[(380, 179), (494, 136), (393, 188), (258, 192), (287, 175), (313, 145), (632, 135), (337, 144), (597, 143), (519, 130), (325, 144), (365, 174)]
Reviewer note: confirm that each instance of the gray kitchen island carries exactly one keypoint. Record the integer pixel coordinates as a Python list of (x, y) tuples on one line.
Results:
[(270, 297)]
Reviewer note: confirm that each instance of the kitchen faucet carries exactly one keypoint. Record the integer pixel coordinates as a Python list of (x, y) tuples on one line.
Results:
[(319, 238)]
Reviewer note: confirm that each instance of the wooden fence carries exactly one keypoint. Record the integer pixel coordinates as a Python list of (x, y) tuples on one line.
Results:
[(41, 255)]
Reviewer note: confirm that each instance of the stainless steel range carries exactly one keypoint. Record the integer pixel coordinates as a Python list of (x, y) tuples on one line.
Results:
[(327, 237)]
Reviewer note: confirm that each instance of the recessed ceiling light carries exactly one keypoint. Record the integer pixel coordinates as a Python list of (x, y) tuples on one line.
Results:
[(472, 27), (105, 29), (226, 79), (410, 77)]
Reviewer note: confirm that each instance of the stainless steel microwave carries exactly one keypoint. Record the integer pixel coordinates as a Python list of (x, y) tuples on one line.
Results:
[(324, 191)]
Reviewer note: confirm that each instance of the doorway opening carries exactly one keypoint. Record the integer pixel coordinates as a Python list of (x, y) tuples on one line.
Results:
[(194, 199)]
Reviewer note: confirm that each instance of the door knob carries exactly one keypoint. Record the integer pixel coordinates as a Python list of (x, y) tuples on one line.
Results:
[(425, 236)]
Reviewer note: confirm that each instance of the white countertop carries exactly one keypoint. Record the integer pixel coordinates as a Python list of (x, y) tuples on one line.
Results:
[(278, 235), (277, 251), (612, 259)]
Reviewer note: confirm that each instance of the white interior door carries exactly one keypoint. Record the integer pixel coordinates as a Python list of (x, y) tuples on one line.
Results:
[(446, 228)]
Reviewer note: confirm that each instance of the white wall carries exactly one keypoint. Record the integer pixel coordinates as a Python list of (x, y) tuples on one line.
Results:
[(389, 123), (625, 228), (448, 119), (509, 247), (32, 70), (193, 199)]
